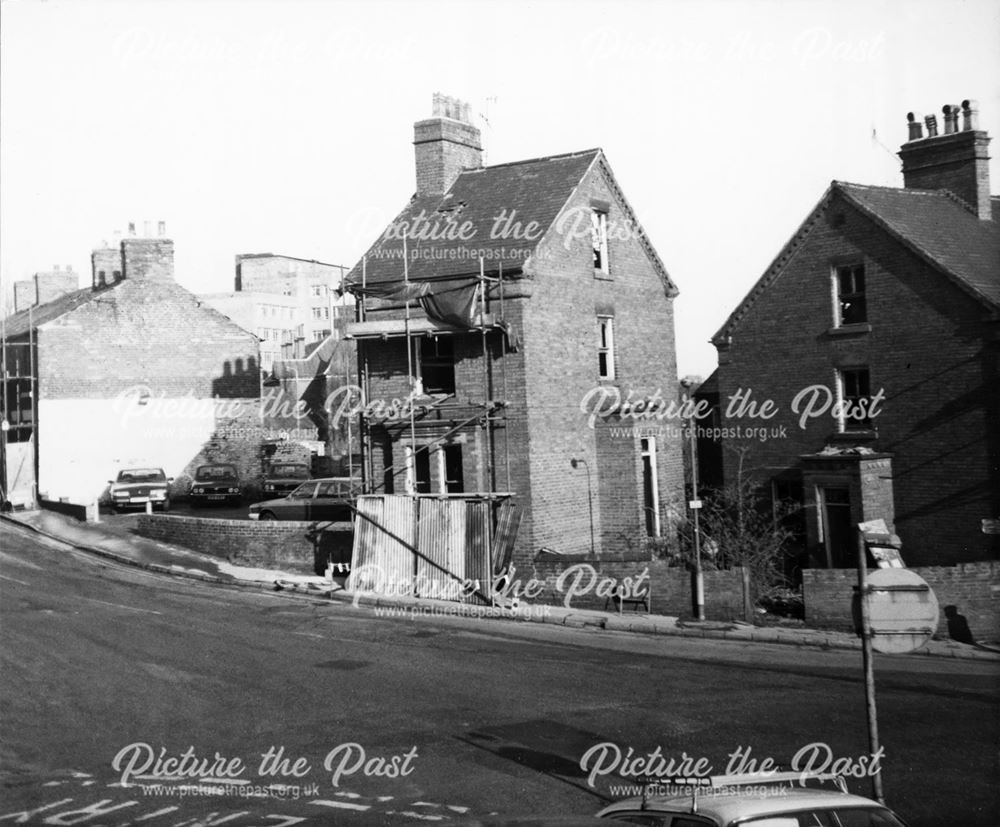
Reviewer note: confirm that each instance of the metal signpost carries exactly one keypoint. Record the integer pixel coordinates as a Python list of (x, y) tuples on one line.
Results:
[(897, 613)]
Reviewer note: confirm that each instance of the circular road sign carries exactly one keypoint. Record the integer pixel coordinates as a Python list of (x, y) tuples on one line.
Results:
[(902, 610)]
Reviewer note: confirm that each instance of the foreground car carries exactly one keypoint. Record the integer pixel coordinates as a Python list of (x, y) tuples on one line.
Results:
[(777, 800), (330, 499), (283, 478), (216, 483), (134, 487)]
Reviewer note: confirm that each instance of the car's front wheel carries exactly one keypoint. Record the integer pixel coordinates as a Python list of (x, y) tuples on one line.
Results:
[(267, 515)]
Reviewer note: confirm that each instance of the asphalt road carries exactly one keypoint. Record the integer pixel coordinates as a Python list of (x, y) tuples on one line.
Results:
[(110, 672)]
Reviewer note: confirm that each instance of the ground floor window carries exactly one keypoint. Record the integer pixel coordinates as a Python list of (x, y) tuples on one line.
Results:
[(650, 488)]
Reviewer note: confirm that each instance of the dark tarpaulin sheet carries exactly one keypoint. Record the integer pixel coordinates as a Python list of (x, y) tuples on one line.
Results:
[(451, 302)]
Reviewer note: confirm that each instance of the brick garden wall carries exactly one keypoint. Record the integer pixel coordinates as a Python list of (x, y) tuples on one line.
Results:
[(972, 588), (290, 546), (671, 587)]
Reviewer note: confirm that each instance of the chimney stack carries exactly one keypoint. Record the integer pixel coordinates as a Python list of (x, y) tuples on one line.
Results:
[(106, 265), (146, 258), (444, 145), (957, 160)]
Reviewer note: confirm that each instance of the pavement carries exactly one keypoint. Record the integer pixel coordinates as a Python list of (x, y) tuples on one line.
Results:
[(116, 542)]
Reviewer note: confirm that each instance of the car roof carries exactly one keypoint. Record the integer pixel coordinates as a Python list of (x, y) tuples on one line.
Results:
[(726, 804)]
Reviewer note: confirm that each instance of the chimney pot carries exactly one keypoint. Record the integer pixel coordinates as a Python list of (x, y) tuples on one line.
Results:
[(146, 231), (950, 119), (162, 228), (55, 268), (915, 127), (970, 116), (957, 161), (131, 228)]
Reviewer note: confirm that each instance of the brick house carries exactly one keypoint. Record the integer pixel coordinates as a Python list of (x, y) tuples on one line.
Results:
[(133, 370), (875, 333), (537, 305)]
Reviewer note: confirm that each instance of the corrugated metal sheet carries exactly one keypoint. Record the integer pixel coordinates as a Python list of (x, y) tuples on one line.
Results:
[(508, 523), (440, 567), (428, 546), (383, 558), (477, 548)]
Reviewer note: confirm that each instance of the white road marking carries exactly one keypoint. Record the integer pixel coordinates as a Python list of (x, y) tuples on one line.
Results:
[(457, 809), (342, 805), (414, 814), (13, 580), (26, 816), (53, 783), (345, 794)]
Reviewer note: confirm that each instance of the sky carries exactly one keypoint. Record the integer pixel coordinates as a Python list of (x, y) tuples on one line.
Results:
[(286, 126)]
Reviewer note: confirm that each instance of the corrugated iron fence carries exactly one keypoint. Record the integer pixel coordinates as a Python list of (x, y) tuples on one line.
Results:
[(427, 546)]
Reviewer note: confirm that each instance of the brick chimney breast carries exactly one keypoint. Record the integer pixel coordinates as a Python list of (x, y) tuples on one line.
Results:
[(444, 145), (957, 160)]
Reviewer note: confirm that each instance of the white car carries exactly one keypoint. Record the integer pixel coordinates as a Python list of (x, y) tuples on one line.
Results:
[(776, 800)]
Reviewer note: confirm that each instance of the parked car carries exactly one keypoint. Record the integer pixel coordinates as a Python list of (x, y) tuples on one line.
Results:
[(283, 478), (778, 800), (331, 499), (216, 483), (134, 487)]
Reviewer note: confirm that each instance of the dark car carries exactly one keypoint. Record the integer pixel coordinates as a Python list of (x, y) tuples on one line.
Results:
[(215, 484), (330, 499), (134, 487), (283, 478)]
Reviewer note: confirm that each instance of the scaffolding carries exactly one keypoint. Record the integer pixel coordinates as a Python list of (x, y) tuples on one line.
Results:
[(18, 416), (491, 413), (429, 532)]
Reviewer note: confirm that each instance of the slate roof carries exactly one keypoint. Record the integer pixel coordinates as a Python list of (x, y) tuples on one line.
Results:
[(935, 224), (19, 323), (533, 190), (942, 228)]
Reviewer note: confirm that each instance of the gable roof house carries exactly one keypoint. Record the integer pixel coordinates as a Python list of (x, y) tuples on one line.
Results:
[(131, 371), (875, 332), (505, 315)]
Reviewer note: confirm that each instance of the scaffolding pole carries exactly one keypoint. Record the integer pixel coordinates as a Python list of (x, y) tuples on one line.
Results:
[(503, 371), (487, 420)]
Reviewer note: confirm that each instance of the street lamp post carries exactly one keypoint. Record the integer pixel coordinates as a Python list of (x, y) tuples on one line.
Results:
[(590, 499), (695, 506)]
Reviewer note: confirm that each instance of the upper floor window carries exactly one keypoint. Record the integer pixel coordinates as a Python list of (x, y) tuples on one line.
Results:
[(854, 387), (850, 286), (437, 364), (316, 290), (605, 347), (599, 237)]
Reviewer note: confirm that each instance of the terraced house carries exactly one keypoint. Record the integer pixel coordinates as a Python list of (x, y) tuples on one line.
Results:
[(881, 318), (500, 303)]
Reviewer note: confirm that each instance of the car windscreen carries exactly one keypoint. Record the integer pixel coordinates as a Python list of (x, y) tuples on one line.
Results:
[(142, 475), (215, 472), (289, 472), (828, 817)]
